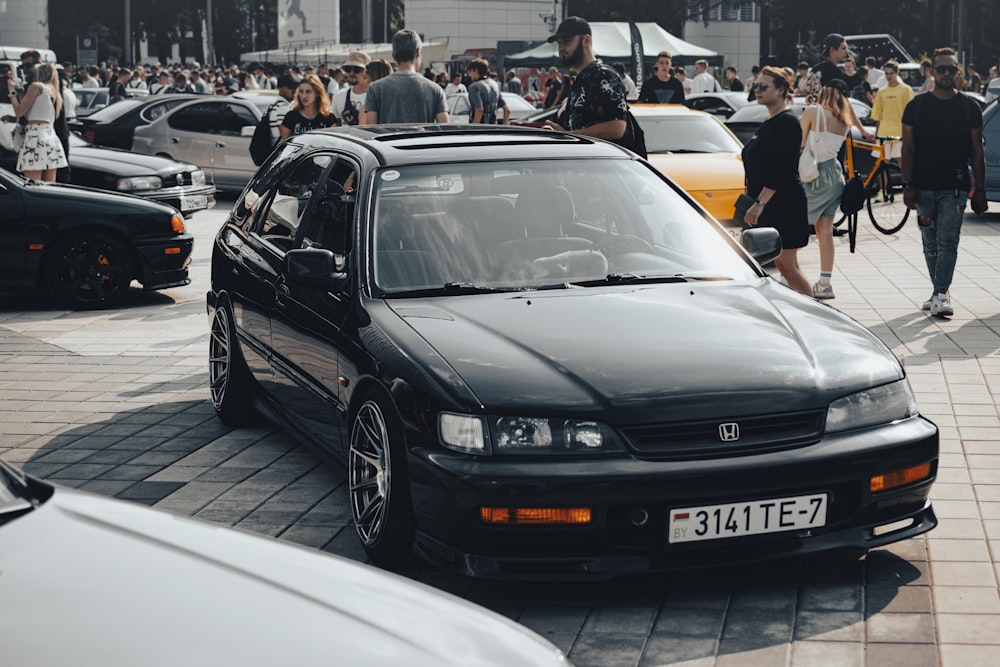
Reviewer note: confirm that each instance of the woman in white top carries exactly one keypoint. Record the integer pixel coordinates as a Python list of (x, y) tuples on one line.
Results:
[(42, 153), (825, 127)]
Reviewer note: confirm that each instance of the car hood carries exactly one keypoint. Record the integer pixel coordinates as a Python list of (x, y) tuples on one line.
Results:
[(125, 163), (647, 353), (41, 198), (701, 171), (105, 582)]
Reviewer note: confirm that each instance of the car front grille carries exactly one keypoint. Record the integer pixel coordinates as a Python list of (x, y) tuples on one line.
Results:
[(736, 436)]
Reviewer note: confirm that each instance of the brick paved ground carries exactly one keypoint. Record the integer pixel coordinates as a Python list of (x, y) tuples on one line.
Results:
[(116, 402)]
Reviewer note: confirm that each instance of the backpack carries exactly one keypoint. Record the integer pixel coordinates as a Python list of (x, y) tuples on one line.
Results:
[(262, 142), (634, 138)]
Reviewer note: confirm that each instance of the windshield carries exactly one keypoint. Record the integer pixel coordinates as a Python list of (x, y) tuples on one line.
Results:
[(541, 224), (687, 134)]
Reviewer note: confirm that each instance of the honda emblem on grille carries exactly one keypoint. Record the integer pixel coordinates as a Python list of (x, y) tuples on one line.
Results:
[(729, 432), (180, 179)]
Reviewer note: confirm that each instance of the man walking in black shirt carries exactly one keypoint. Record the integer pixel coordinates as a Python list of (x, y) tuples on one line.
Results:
[(942, 135)]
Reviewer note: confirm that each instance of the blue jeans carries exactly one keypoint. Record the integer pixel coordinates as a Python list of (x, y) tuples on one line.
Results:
[(945, 208)]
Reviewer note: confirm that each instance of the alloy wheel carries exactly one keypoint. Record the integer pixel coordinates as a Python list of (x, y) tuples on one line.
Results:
[(370, 472)]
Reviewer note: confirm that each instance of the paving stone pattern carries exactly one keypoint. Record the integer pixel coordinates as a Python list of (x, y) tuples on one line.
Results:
[(116, 403)]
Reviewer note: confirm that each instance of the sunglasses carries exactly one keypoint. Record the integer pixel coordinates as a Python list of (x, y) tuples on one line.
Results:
[(352, 69), (946, 69), (763, 86)]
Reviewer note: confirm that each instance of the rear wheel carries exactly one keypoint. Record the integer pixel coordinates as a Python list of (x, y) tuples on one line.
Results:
[(229, 380), (89, 270), (379, 485), (887, 212)]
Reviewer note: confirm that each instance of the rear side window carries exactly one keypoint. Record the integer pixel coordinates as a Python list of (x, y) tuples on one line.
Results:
[(154, 111), (235, 117), (202, 117), (292, 198)]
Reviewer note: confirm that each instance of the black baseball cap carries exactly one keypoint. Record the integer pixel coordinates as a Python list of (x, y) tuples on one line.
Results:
[(571, 27), (288, 81)]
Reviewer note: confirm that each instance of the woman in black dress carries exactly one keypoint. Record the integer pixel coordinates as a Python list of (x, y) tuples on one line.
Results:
[(771, 163)]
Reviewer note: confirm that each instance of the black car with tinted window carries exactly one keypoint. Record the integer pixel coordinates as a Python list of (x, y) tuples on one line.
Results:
[(537, 357), (85, 247)]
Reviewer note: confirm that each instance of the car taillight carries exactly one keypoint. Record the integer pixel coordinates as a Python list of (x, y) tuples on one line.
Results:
[(89, 135)]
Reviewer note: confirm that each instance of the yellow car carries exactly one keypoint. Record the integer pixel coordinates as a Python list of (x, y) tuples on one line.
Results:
[(696, 151)]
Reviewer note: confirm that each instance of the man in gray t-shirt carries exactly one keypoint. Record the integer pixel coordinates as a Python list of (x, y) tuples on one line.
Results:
[(484, 95), (405, 96)]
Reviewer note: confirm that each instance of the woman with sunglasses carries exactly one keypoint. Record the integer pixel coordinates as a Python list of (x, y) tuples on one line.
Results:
[(771, 163), (309, 110)]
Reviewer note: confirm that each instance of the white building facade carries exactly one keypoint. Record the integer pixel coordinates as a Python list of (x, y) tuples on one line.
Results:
[(24, 23), (733, 30), (480, 24)]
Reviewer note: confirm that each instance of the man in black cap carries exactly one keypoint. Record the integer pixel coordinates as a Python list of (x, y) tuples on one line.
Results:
[(595, 105)]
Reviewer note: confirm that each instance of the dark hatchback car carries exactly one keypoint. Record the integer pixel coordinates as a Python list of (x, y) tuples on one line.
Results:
[(114, 125), (151, 177), (85, 246), (538, 358)]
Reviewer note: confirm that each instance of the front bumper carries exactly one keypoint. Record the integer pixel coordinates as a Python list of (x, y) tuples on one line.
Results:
[(164, 262), (448, 491), (187, 199)]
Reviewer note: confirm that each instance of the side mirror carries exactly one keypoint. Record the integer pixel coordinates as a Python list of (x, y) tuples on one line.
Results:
[(763, 244), (314, 267), (247, 130)]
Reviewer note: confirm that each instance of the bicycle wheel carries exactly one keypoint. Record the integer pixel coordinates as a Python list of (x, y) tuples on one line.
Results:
[(885, 208)]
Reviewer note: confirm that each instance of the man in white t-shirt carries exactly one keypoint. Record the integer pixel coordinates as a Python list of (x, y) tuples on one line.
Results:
[(703, 82), (455, 86), (347, 103)]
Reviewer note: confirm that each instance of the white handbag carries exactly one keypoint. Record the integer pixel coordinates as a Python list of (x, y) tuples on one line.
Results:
[(808, 165)]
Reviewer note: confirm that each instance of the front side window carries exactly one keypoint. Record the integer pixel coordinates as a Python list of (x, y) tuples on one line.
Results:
[(255, 194), (456, 228), (291, 200)]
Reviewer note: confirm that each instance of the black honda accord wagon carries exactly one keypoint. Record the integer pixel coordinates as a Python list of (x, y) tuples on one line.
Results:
[(538, 357)]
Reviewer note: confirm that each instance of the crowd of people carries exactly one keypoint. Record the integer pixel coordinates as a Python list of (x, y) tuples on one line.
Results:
[(935, 138)]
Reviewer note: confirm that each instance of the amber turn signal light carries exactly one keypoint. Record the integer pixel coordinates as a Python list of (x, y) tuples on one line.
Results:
[(535, 516), (177, 223), (897, 478)]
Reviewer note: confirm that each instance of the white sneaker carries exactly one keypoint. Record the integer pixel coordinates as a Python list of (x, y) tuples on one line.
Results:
[(941, 305), (821, 291), (927, 304)]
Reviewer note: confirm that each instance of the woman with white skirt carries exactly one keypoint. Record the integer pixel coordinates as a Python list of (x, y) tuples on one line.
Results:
[(41, 153)]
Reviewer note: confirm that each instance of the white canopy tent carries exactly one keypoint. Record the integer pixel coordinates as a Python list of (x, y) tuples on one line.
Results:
[(613, 43), (336, 54)]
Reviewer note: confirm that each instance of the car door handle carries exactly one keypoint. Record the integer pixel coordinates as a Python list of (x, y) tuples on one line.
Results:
[(281, 295), (175, 140), (219, 144)]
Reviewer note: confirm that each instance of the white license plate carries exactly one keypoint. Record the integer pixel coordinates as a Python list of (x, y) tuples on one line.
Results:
[(777, 515), (198, 201)]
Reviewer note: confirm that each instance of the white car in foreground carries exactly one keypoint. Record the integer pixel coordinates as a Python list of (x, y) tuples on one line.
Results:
[(88, 580)]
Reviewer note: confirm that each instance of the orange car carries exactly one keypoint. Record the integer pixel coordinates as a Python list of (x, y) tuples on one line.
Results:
[(696, 151)]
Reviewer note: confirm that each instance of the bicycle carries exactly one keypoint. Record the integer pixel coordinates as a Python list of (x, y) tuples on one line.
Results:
[(880, 193)]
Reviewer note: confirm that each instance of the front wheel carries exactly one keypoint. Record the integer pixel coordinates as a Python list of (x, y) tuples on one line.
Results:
[(229, 380), (379, 485), (886, 212), (89, 270)]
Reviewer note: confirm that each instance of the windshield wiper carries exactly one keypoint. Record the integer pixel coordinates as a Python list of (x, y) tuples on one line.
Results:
[(635, 278)]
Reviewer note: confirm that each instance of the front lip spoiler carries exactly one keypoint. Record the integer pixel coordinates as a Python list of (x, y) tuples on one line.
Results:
[(589, 567)]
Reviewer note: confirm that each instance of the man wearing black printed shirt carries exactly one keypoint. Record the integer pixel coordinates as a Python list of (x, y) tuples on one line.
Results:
[(942, 136)]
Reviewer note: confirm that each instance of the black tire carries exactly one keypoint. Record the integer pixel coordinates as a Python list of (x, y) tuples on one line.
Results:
[(229, 380), (379, 486), (88, 270), (888, 213)]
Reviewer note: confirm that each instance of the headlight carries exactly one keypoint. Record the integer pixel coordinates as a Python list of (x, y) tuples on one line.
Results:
[(139, 183), (198, 177), (871, 407), (463, 433), (525, 435)]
